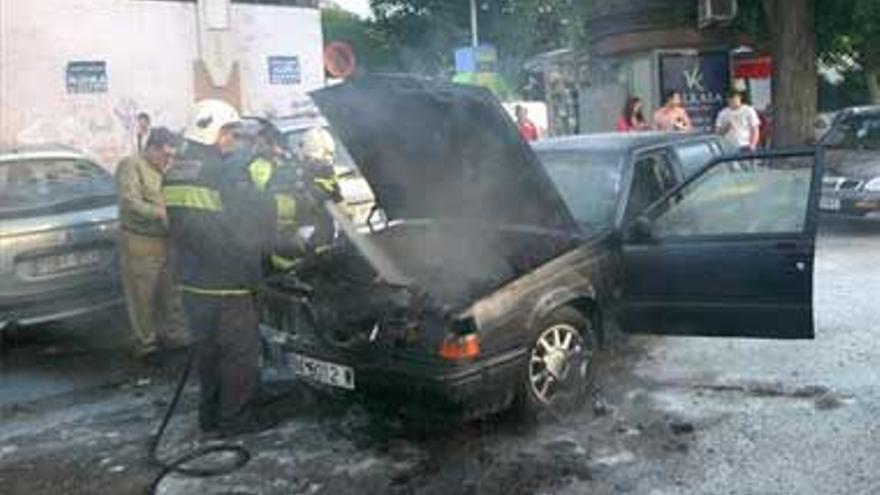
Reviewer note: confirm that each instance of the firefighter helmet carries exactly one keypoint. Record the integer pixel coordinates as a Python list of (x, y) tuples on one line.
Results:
[(317, 145), (208, 117)]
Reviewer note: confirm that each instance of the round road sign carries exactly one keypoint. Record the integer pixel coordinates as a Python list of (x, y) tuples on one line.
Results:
[(339, 59)]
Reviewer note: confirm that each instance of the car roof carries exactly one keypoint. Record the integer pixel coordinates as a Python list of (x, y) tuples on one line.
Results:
[(42, 151), (872, 110), (289, 124), (615, 141)]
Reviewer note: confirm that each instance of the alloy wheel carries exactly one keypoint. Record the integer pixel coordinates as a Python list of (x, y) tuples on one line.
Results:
[(559, 362)]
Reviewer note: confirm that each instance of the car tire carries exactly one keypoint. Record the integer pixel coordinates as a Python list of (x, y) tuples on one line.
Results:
[(560, 365)]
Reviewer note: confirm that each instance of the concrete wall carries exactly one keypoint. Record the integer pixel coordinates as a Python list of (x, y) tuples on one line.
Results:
[(149, 48), (263, 31), (613, 81)]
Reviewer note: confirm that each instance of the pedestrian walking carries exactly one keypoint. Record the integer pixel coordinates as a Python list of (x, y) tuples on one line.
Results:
[(527, 129), (739, 123), (672, 117), (632, 119), (142, 131), (222, 229), (153, 303)]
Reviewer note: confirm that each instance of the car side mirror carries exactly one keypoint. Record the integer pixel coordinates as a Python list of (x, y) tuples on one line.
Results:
[(641, 230)]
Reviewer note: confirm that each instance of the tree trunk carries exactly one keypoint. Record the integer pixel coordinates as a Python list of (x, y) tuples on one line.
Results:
[(873, 77), (795, 81)]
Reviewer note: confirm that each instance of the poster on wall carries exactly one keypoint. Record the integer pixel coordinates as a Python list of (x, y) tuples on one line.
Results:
[(703, 80), (284, 70), (86, 77)]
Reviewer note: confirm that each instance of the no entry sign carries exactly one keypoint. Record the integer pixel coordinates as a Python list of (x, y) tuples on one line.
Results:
[(339, 59)]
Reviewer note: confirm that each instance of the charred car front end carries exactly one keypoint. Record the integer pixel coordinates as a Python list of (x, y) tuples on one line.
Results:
[(455, 348)]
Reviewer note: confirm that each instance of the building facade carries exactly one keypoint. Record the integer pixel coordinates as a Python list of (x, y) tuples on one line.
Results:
[(77, 72), (631, 40)]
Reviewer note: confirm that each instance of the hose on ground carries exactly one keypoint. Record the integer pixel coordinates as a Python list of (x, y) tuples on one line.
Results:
[(241, 456)]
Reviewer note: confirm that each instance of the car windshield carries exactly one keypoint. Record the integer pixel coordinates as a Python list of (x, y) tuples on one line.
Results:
[(855, 132), (30, 186), (589, 182)]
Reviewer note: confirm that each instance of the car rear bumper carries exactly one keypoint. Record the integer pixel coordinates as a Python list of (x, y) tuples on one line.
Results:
[(849, 203), (59, 305), (430, 388)]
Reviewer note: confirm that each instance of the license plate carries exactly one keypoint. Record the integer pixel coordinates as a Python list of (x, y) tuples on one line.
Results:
[(829, 203), (332, 374), (50, 265)]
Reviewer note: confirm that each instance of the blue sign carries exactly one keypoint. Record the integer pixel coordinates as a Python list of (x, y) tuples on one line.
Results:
[(483, 58), (703, 81), (86, 77), (284, 70)]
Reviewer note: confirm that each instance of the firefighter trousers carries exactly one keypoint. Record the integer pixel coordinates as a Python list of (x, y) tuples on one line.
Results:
[(226, 329)]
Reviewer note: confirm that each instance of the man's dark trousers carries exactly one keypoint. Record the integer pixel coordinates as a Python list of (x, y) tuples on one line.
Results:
[(226, 329)]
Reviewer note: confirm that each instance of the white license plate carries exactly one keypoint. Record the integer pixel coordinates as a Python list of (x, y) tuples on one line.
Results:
[(829, 203), (320, 371), (50, 265)]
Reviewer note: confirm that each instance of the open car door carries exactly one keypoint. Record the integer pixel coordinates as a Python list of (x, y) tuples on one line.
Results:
[(727, 253)]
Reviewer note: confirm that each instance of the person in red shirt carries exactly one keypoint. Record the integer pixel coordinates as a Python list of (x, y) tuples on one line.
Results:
[(632, 119), (527, 129)]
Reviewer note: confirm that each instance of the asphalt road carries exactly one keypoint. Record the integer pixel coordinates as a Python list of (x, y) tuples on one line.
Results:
[(675, 416)]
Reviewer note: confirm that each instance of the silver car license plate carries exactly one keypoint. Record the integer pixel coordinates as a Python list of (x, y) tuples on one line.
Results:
[(332, 374), (51, 265), (829, 203)]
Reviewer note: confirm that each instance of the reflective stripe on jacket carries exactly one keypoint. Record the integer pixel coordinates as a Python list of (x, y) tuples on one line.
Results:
[(221, 227)]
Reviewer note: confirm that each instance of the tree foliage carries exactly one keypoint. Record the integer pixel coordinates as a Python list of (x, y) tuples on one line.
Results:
[(426, 32), (846, 32)]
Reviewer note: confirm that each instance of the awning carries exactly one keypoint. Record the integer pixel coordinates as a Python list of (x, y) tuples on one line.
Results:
[(752, 68)]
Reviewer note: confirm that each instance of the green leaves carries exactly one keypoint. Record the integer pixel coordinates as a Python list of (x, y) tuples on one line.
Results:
[(421, 35)]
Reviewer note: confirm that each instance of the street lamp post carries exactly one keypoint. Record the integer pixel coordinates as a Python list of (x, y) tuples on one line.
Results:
[(475, 37)]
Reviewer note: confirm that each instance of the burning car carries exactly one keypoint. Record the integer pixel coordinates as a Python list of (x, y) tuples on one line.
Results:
[(487, 288)]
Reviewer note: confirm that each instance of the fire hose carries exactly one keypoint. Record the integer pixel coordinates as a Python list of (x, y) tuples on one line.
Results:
[(178, 464), (387, 271)]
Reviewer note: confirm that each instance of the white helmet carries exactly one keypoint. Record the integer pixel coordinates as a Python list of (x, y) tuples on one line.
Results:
[(208, 117), (317, 145)]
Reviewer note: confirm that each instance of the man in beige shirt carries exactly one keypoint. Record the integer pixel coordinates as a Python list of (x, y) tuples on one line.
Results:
[(154, 306)]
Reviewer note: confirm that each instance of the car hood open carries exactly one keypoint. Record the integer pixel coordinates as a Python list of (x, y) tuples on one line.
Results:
[(435, 150)]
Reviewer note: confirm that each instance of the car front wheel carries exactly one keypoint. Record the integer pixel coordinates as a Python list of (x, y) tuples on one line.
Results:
[(559, 370)]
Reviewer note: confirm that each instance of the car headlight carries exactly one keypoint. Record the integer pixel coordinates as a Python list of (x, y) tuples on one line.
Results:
[(873, 185)]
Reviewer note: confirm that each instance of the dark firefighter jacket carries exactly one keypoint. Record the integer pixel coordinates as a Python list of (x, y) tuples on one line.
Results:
[(309, 187), (221, 227), (288, 246)]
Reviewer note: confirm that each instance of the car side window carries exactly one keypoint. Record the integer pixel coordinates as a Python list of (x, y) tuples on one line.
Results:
[(653, 176), (769, 197), (694, 156)]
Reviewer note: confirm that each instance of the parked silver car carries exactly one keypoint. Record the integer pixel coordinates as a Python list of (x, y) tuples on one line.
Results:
[(58, 234), (851, 186)]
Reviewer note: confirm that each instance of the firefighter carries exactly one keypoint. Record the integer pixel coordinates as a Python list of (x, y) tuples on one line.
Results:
[(152, 300), (271, 171), (221, 228), (317, 154)]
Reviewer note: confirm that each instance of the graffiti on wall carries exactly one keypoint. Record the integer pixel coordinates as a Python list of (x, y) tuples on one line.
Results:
[(100, 128)]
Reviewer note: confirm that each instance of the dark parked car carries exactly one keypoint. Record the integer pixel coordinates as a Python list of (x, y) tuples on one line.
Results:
[(58, 229), (488, 288), (851, 185)]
